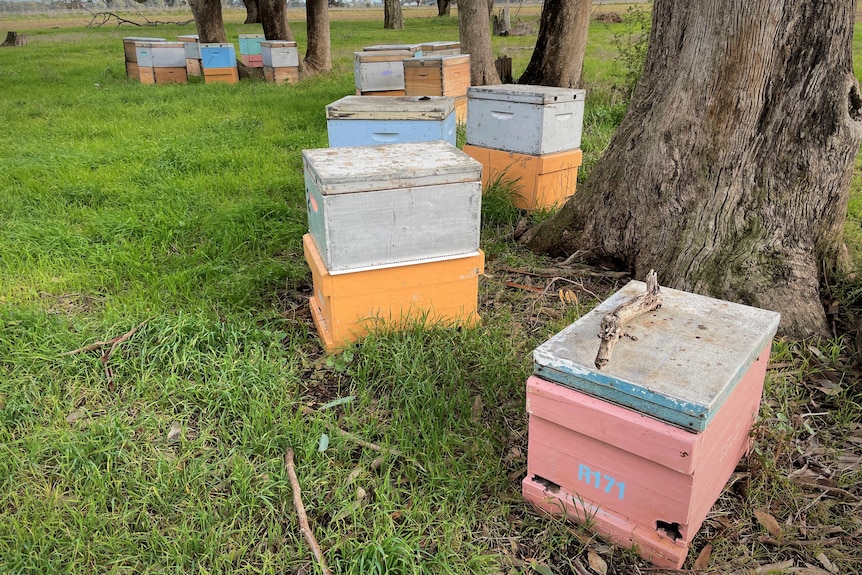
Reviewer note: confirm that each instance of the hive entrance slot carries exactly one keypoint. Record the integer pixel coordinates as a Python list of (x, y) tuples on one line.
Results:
[(547, 484), (669, 529)]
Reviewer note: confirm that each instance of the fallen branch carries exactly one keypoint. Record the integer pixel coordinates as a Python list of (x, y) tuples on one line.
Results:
[(612, 324), (801, 543), (106, 356), (304, 528), (561, 272)]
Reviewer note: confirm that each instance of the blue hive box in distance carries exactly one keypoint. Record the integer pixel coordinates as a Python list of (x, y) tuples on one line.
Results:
[(218, 56)]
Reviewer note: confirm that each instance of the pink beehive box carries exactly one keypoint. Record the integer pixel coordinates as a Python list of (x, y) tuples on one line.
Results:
[(642, 448)]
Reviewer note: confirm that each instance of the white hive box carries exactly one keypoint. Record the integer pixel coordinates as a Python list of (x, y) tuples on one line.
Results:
[(379, 70), (144, 52), (381, 206), (192, 46), (169, 55), (364, 121), (534, 120), (279, 54)]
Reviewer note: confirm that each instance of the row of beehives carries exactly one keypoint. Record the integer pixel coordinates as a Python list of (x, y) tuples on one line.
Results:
[(639, 450), (157, 61)]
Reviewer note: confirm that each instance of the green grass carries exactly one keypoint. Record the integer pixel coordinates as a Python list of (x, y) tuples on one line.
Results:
[(182, 208)]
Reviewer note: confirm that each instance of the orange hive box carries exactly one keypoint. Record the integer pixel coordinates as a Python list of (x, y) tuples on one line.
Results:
[(147, 75), (346, 306), (221, 75), (193, 67), (170, 75), (281, 75), (542, 182), (642, 448), (381, 93), (437, 75)]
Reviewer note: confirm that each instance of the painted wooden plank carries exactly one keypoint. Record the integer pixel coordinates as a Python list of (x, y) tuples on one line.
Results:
[(680, 364)]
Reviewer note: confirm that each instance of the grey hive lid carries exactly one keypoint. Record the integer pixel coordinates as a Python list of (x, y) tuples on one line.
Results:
[(389, 167), (686, 359), (526, 94), (379, 47), (391, 108)]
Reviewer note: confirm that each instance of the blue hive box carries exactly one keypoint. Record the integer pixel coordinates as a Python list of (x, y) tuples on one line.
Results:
[(218, 56), (370, 121)]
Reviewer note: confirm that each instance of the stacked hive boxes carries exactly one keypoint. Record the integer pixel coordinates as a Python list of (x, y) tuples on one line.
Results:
[(145, 62), (378, 253), (169, 62), (219, 63), (445, 75), (131, 54), (530, 135), (362, 121), (250, 49), (193, 54), (380, 72), (642, 449), (280, 61)]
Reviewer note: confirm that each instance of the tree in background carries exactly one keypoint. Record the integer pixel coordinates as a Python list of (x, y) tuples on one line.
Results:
[(393, 18), (208, 21), (318, 57), (252, 14), (443, 7), (474, 27), (273, 20), (730, 173), (558, 58)]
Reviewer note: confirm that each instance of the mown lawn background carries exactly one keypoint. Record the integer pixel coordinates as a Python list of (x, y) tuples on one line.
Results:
[(180, 209)]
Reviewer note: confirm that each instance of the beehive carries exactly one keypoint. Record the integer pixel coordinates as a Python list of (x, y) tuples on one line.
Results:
[(440, 48), (193, 54), (361, 121), (279, 54), (437, 75), (643, 447), (250, 49), (144, 54), (131, 55), (537, 182), (534, 120), (218, 56), (379, 70), (392, 204), (169, 62), (346, 306)]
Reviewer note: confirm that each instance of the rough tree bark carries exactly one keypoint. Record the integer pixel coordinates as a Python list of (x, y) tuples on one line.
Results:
[(558, 58), (444, 7), (252, 13), (208, 20), (318, 57), (474, 26), (730, 173), (393, 18), (273, 19)]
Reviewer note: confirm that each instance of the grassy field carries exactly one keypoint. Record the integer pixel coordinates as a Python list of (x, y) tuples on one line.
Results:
[(178, 210)]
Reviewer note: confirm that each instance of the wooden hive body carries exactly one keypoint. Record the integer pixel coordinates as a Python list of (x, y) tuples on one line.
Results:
[(386, 205), (129, 46), (539, 182), (221, 75), (437, 75), (644, 447), (346, 306), (534, 120), (170, 75), (279, 54), (362, 121), (192, 48), (379, 70), (281, 75)]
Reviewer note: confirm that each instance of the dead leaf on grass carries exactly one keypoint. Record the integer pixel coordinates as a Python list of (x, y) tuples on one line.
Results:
[(702, 561), (75, 416), (477, 409), (174, 432), (597, 564), (541, 569), (774, 567), (769, 523), (827, 564)]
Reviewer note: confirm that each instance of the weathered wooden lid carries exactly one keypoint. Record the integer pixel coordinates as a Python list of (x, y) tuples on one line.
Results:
[(381, 47), (251, 36), (129, 39), (278, 44), (526, 94), (216, 45), (388, 167), (382, 56), (440, 45), (188, 38), (391, 108), (438, 60), (679, 363)]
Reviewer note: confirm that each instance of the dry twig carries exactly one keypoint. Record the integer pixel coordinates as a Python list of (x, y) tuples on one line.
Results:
[(612, 324), (106, 356), (304, 528)]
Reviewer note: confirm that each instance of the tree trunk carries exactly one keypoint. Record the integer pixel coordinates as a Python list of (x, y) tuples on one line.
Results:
[(474, 26), (317, 56), (443, 7), (273, 19), (252, 14), (393, 18), (730, 173), (208, 21), (558, 58)]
